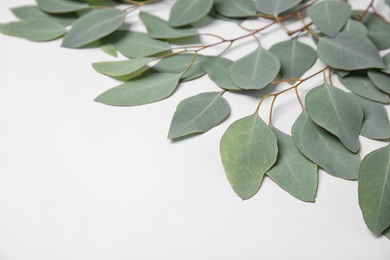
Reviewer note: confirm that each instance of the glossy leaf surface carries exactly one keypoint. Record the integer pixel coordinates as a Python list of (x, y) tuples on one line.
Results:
[(275, 7), (185, 12), (121, 68), (61, 6), (217, 68)]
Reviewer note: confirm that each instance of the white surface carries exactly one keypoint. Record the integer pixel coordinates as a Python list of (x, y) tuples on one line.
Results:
[(81, 180)]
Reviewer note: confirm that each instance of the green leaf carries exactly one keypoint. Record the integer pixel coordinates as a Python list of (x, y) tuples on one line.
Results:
[(110, 49), (374, 189), (357, 27), (160, 29), (292, 171), (93, 26), (236, 8), (380, 80), (361, 85), (295, 57), (386, 60), (343, 73), (324, 149), (178, 63), (387, 2), (61, 6), (255, 70), (34, 12), (386, 233), (330, 16), (185, 12), (217, 68), (337, 112), (376, 123), (361, 52), (248, 149), (378, 30), (275, 7), (198, 114), (142, 90), (37, 30), (120, 68), (136, 44)]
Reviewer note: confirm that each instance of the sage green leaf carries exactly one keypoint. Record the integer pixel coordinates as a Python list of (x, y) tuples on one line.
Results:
[(292, 171), (295, 57), (386, 60), (324, 149), (198, 114), (93, 26), (380, 80), (387, 2), (343, 73), (357, 27), (236, 8), (255, 70), (217, 68), (142, 90), (37, 30), (376, 123), (185, 12), (160, 29), (215, 14), (178, 63), (361, 52), (337, 112), (361, 85), (374, 189), (34, 12), (378, 30), (248, 149), (136, 44), (110, 49), (120, 68), (330, 16), (275, 7), (61, 6), (386, 233)]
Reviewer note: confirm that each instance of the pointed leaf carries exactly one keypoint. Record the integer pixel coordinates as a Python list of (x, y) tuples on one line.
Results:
[(110, 49), (61, 6), (354, 26), (236, 8), (378, 30), (295, 57), (292, 171), (374, 189), (160, 29), (324, 149), (120, 68), (142, 90), (361, 52), (93, 26), (337, 112), (275, 7), (217, 68), (386, 233), (330, 16), (185, 12), (248, 149), (255, 70), (198, 114), (36, 29), (380, 80)]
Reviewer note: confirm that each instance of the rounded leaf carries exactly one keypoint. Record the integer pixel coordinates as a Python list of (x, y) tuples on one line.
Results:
[(275, 7), (217, 68), (185, 12), (61, 6)]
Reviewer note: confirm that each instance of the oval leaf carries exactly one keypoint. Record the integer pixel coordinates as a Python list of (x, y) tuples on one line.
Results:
[(217, 68), (378, 30), (292, 171), (380, 80), (93, 26), (248, 149), (121, 68), (324, 149), (185, 12), (198, 114), (374, 189), (354, 26), (141, 90), (255, 70), (236, 8), (275, 7), (61, 6)]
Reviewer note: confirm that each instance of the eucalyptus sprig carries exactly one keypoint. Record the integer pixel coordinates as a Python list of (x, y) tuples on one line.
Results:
[(350, 44)]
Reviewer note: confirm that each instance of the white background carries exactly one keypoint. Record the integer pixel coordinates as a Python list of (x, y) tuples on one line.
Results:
[(81, 180)]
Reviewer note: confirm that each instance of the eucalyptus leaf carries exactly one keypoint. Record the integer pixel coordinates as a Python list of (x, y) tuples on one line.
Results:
[(374, 189), (255, 70), (361, 52), (387, 2), (110, 49), (355, 27), (61, 6), (386, 60), (36, 29), (160, 29), (185, 12), (292, 171), (380, 80), (386, 233), (217, 68), (248, 149), (330, 16), (337, 112), (378, 30), (93, 26), (121, 68), (275, 7), (295, 57), (198, 114), (343, 73), (236, 8), (324, 149), (142, 90)]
